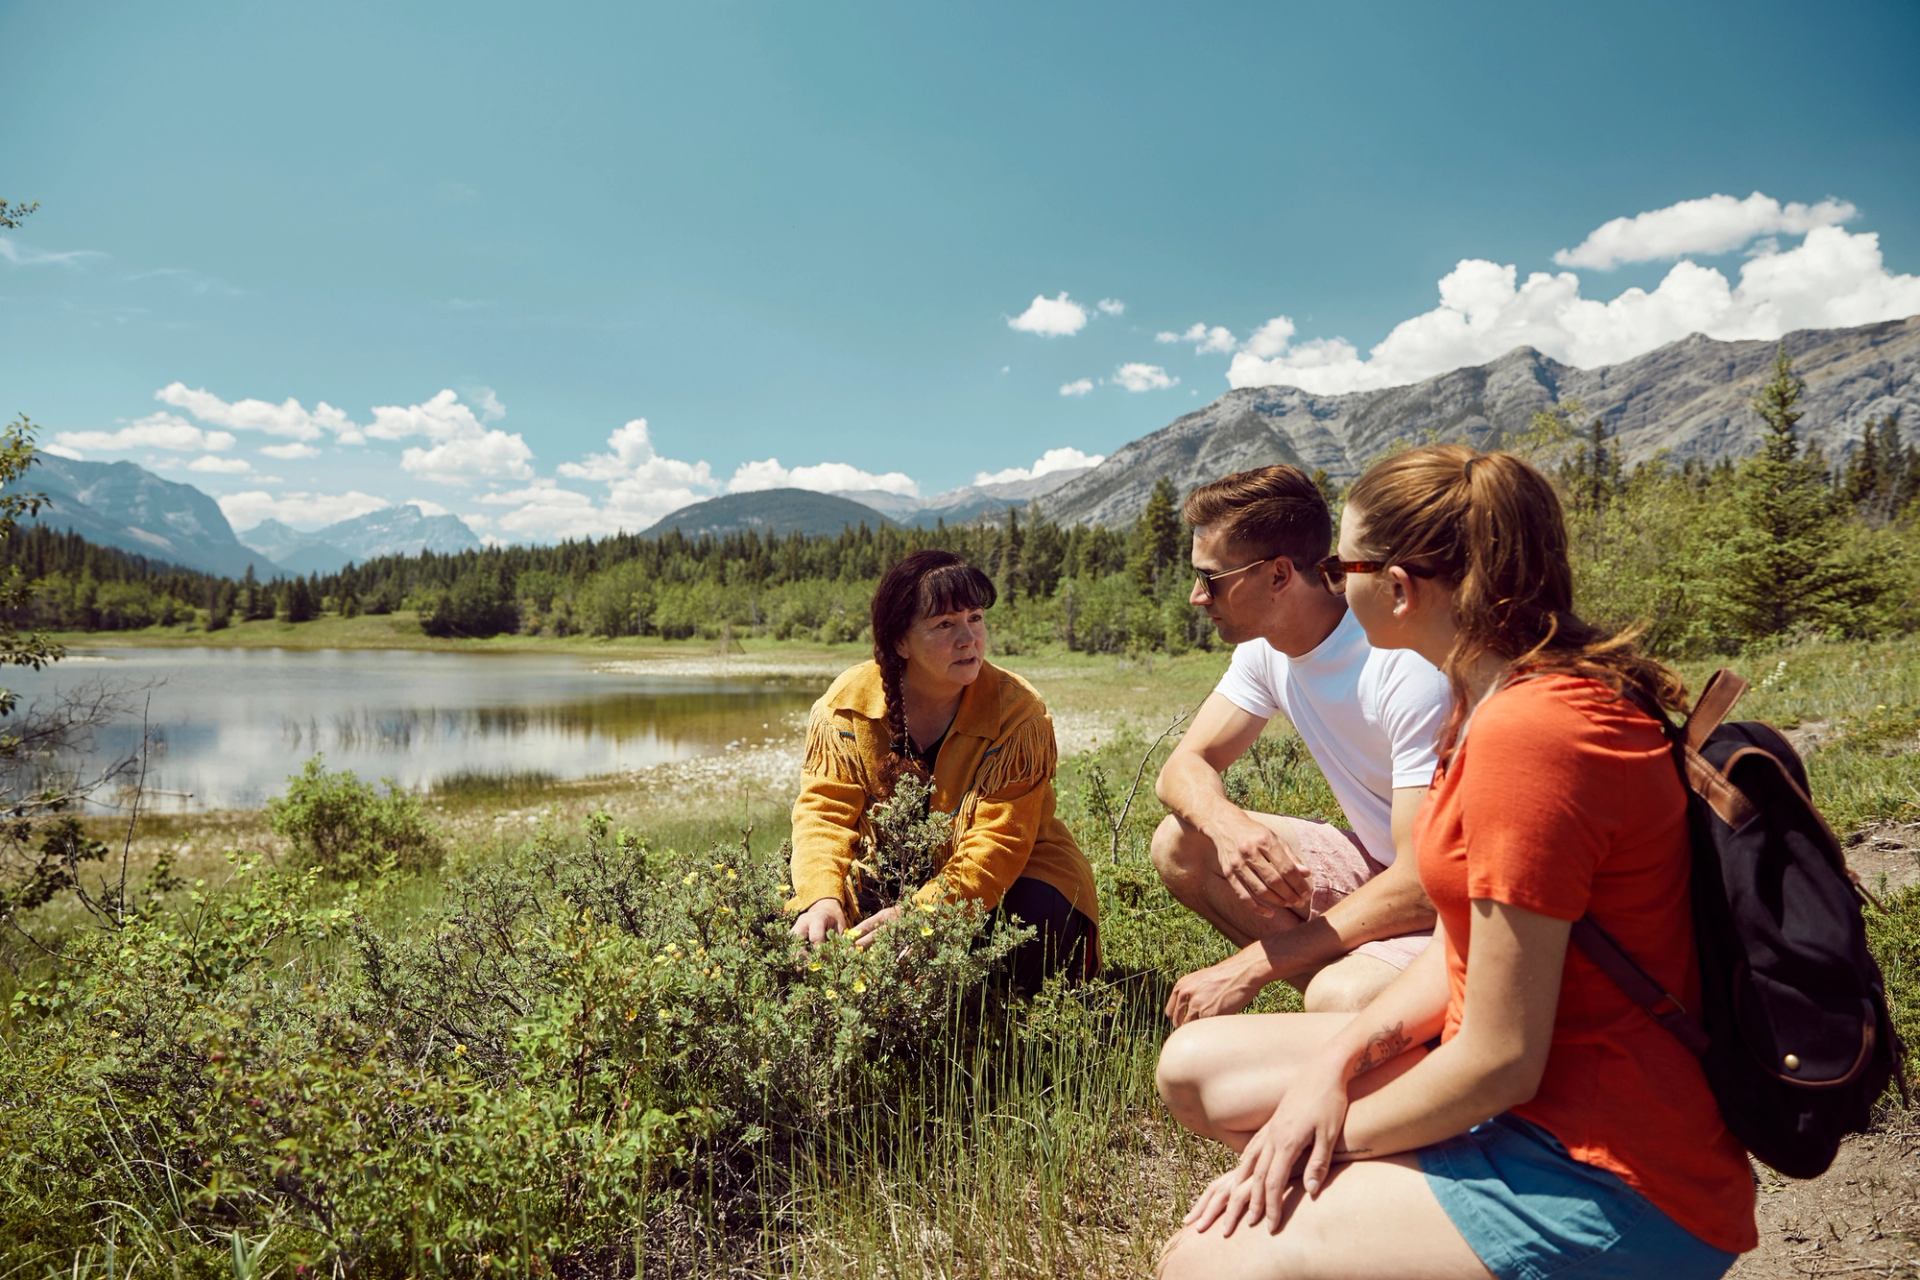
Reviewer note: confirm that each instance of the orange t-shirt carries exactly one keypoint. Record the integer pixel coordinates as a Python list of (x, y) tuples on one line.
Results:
[(1563, 800)]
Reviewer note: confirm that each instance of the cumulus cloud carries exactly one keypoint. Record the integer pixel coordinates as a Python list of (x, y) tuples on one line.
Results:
[(1206, 339), (155, 431), (1833, 278), (290, 452), (1064, 458), (213, 464), (1056, 317), (1111, 307), (1135, 376), (490, 407), (822, 477), (426, 506), (1710, 225), (307, 511), (1078, 387), (289, 418), (460, 448)]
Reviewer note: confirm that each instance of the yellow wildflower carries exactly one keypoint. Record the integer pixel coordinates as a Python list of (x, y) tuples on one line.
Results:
[(859, 985), (832, 994), (926, 931)]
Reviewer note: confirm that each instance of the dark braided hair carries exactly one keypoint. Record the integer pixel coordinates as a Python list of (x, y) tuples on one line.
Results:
[(922, 585)]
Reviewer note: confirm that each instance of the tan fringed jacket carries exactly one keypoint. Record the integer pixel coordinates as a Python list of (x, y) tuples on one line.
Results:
[(994, 774)]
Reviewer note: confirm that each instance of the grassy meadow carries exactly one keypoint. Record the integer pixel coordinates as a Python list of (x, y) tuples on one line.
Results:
[(575, 1043)]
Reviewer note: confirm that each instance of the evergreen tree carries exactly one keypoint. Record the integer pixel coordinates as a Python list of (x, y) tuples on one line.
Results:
[(1784, 567), (1156, 537), (17, 648)]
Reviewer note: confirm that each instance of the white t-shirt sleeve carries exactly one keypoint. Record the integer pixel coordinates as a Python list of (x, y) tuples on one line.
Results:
[(1414, 700), (1249, 682)]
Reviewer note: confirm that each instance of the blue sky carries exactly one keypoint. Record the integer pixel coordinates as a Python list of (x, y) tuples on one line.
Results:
[(561, 270)]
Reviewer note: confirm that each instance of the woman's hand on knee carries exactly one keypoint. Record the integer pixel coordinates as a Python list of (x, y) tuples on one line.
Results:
[(822, 918), (1300, 1137)]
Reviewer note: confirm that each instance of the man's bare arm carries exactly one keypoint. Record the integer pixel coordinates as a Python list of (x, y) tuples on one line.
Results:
[(1253, 859), (1390, 904)]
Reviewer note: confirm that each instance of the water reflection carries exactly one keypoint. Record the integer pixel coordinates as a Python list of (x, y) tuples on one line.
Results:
[(226, 727)]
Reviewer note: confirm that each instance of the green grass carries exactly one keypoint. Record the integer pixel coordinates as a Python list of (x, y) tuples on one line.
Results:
[(1045, 1153)]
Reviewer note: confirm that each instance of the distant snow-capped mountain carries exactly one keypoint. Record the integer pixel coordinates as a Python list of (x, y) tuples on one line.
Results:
[(963, 505), (402, 530)]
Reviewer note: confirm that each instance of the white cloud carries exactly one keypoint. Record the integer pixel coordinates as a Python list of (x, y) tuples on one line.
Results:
[(20, 255), (155, 431), (1111, 307), (1833, 278), (289, 418), (307, 511), (641, 485), (491, 455), (1143, 377), (1078, 387), (460, 449), (1216, 339), (426, 506), (1710, 225), (822, 477), (1064, 458), (490, 407), (1056, 317), (218, 466), (290, 452)]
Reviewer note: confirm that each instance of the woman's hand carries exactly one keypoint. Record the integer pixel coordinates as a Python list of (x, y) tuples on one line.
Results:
[(822, 918), (1307, 1123), (867, 931)]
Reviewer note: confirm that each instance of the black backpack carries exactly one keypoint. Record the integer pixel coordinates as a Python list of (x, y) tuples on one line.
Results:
[(1793, 1028)]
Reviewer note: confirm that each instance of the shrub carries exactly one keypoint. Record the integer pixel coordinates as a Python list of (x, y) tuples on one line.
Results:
[(346, 830)]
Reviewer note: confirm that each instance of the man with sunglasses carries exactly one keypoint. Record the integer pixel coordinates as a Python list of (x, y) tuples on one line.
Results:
[(1337, 912)]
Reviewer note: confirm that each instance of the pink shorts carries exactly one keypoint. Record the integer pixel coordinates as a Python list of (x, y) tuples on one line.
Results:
[(1340, 864)]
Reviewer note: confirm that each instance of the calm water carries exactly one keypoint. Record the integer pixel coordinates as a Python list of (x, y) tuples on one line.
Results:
[(228, 725)]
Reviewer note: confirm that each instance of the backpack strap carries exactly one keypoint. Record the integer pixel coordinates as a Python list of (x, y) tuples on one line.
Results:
[(1638, 984), (1714, 705)]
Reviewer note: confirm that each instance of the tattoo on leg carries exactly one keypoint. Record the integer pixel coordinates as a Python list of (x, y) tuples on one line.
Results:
[(1383, 1047)]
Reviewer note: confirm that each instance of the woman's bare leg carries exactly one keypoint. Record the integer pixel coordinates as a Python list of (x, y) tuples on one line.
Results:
[(1373, 1219), (1221, 1077)]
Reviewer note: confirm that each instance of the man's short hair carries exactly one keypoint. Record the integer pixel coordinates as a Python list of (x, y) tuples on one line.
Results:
[(1275, 511)]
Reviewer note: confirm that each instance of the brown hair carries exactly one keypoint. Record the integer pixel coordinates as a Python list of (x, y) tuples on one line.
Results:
[(1490, 526), (1274, 509), (919, 586)]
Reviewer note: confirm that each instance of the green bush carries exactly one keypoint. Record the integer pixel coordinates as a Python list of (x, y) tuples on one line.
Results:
[(586, 1053), (346, 830)]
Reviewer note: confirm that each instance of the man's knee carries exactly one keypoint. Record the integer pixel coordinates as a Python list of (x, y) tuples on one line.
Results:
[(1176, 851), (1347, 985)]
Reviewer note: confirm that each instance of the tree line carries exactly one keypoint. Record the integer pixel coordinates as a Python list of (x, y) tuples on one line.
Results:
[(1706, 556)]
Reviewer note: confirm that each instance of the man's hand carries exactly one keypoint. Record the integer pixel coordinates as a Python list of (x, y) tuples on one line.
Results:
[(822, 918), (1261, 868), (1227, 987)]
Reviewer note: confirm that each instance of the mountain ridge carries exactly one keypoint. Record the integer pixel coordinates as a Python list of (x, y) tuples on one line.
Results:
[(1688, 398)]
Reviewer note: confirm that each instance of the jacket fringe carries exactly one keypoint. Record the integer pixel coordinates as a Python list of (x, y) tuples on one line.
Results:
[(832, 753), (1026, 755)]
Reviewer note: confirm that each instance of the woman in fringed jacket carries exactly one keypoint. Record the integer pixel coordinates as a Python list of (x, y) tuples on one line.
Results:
[(930, 704)]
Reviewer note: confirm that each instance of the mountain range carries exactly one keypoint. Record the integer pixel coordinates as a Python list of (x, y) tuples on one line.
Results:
[(769, 511), (120, 505), (961, 506), (391, 531), (1688, 399)]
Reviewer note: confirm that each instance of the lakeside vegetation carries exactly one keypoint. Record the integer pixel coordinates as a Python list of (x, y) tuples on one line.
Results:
[(381, 1036)]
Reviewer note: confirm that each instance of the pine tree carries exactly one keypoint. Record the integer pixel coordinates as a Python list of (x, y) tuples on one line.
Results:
[(1156, 537), (1784, 567)]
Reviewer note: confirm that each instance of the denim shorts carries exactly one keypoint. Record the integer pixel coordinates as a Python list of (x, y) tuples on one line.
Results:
[(1530, 1211)]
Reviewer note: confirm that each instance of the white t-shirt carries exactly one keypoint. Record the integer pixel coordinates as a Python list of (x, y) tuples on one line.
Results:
[(1369, 718)]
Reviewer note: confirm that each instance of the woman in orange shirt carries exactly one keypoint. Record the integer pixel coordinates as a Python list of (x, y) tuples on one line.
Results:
[(1556, 1129)]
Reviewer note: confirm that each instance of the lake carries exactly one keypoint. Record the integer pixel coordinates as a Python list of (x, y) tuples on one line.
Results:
[(227, 726)]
